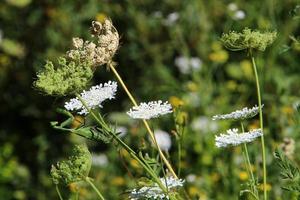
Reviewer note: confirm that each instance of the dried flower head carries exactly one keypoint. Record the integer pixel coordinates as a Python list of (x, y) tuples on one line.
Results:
[(245, 113), (155, 192), (93, 97), (232, 137), (150, 110), (248, 39), (75, 169), (100, 51), (68, 77)]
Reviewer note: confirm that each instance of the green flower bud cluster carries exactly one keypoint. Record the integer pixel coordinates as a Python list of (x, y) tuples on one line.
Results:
[(75, 169), (248, 39), (68, 77)]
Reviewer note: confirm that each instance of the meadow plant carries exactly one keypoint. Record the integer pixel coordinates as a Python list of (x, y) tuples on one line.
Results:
[(250, 41), (70, 77)]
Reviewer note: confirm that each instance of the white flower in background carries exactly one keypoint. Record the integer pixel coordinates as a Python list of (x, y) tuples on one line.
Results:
[(150, 110), (163, 140), (155, 192), (239, 15), (171, 19), (99, 160), (191, 178), (245, 113), (93, 97), (185, 65), (122, 130), (232, 137), (232, 7), (157, 14), (204, 124)]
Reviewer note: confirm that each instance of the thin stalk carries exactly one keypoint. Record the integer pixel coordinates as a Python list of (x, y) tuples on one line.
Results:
[(87, 179), (249, 163), (261, 126), (58, 192), (131, 152), (144, 121), (179, 157)]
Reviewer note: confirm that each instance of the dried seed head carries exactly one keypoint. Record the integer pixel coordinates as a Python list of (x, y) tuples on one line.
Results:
[(102, 49)]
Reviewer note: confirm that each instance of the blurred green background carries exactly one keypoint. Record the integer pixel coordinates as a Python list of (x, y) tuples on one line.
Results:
[(169, 50)]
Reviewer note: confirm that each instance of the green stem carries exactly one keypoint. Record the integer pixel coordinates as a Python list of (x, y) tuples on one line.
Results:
[(261, 126), (179, 157), (87, 179), (254, 189), (58, 192)]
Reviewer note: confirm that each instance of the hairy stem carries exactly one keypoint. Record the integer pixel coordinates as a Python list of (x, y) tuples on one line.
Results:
[(261, 126), (87, 179), (144, 121)]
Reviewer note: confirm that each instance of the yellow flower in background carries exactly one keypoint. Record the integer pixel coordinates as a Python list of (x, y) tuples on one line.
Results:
[(268, 187), (220, 56), (231, 85), (247, 69), (254, 125), (216, 46), (288, 110), (215, 177), (4, 60), (100, 17), (191, 86), (73, 187), (193, 191), (134, 164), (175, 101), (118, 181), (243, 176), (124, 153)]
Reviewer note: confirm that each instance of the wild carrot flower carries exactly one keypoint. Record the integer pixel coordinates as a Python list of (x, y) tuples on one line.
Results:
[(245, 113), (155, 192), (152, 109), (67, 77), (248, 39), (232, 137), (93, 97)]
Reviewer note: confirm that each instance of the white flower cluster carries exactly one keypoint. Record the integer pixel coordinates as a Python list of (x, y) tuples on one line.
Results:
[(93, 97), (150, 110), (155, 192), (186, 64), (245, 113), (232, 137), (235, 12)]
